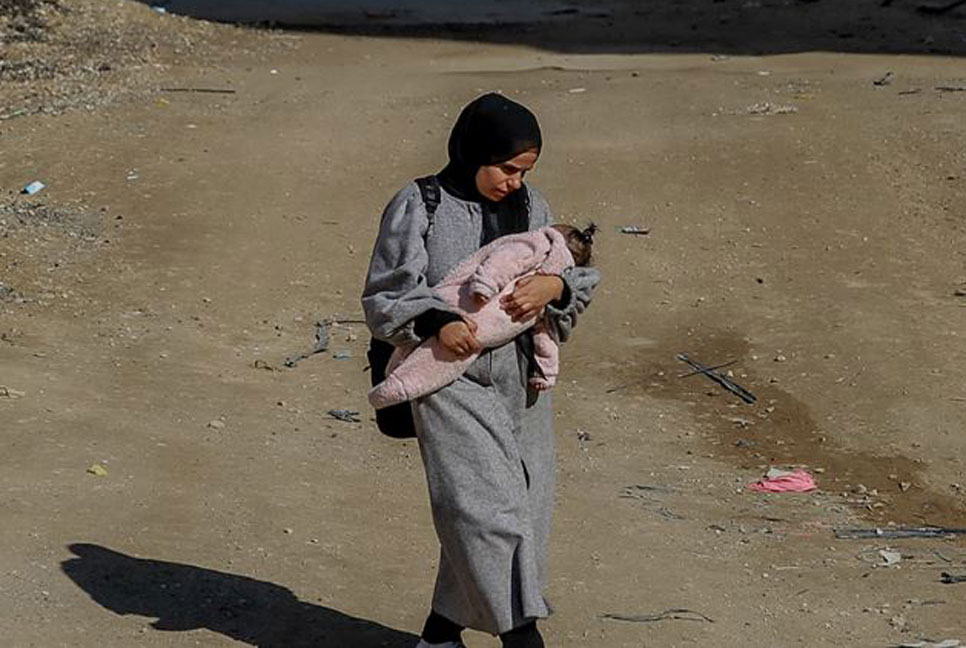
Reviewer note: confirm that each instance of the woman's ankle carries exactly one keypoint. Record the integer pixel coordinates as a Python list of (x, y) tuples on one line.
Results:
[(526, 636), (438, 629)]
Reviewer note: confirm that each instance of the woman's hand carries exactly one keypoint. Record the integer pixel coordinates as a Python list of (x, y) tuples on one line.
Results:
[(459, 338), (531, 295)]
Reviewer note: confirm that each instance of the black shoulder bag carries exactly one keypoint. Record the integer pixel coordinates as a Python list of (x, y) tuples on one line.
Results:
[(397, 421)]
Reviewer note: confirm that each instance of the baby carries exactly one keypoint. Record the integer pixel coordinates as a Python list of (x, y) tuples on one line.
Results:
[(474, 288)]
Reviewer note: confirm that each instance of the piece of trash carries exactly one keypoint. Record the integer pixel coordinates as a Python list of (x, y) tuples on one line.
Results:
[(133, 175), (261, 364), (34, 187), (98, 470), (959, 292), (583, 436), (680, 614), (951, 88), (321, 344), (884, 80), (950, 579), (913, 91), (892, 533), (217, 424), (636, 230), (577, 90), (784, 481), (768, 108), (714, 368), (7, 392), (945, 643), (345, 415), (159, 9), (342, 355), (890, 557), (724, 381)]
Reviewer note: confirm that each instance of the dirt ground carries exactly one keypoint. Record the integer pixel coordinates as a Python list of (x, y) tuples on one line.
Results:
[(805, 222)]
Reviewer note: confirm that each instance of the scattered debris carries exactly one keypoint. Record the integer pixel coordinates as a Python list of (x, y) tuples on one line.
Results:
[(784, 481), (217, 424), (577, 90), (97, 470), (768, 108), (8, 392), (33, 188), (724, 381), (583, 436), (636, 491), (884, 80), (681, 614), (321, 344), (950, 579), (342, 355), (853, 533), (345, 415), (636, 230)]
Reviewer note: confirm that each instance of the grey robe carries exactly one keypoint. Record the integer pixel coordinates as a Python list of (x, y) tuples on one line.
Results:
[(487, 448)]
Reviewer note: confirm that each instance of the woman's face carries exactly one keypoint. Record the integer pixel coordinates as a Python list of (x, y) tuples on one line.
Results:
[(497, 181)]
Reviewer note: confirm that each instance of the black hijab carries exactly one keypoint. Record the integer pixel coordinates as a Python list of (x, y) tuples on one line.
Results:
[(491, 129)]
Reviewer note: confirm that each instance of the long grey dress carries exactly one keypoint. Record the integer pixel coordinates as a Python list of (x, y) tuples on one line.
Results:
[(487, 445)]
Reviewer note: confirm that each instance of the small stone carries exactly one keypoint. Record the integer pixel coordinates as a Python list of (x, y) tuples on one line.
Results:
[(287, 531), (780, 358), (97, 470), (217, 424), (904, 486)]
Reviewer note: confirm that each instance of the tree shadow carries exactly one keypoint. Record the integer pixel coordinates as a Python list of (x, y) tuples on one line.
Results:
[(185, 597), (624, 26)]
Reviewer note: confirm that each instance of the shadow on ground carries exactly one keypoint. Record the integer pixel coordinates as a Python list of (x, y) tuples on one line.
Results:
[(625, 26), (185, 597)]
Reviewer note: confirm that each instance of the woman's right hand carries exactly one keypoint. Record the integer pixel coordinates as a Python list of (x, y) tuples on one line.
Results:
[(459, 338)]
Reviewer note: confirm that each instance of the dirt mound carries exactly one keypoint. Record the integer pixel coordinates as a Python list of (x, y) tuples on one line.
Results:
[(84, 54)]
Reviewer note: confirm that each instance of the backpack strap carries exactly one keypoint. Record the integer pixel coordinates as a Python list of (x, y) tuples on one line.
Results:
[(430, 191)]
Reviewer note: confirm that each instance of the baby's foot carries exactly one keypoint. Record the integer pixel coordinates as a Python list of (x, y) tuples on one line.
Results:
[(542, 384)]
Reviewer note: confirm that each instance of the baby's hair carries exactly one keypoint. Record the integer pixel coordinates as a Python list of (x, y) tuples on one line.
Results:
[(579, 242)]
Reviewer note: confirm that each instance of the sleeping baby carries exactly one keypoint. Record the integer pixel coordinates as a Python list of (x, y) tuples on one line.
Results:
[(474, 289)]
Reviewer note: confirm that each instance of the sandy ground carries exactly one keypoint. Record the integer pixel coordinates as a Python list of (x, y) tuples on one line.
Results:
[(804, 222)]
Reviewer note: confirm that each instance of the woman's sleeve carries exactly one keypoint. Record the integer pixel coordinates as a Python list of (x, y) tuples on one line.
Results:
[(579, 283), (396, 291)]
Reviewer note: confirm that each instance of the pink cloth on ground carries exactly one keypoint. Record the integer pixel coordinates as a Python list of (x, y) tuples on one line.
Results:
[(492, 272), (796, 481)]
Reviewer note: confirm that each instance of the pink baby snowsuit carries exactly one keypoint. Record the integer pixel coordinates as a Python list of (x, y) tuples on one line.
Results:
[(491, 272)]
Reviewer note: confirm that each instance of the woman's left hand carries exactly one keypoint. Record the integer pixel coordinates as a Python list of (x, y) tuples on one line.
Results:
[(531, 295)]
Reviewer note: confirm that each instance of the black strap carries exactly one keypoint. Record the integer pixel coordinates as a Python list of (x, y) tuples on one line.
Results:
[(430, 191)]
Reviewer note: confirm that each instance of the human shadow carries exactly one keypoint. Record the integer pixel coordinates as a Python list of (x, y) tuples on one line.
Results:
[(736, 27), (185, 597)]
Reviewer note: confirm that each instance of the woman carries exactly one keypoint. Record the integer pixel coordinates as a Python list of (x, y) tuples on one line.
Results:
[(485, 439)]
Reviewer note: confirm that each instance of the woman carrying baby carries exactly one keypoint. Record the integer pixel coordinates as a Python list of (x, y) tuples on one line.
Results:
[(486, 438)]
